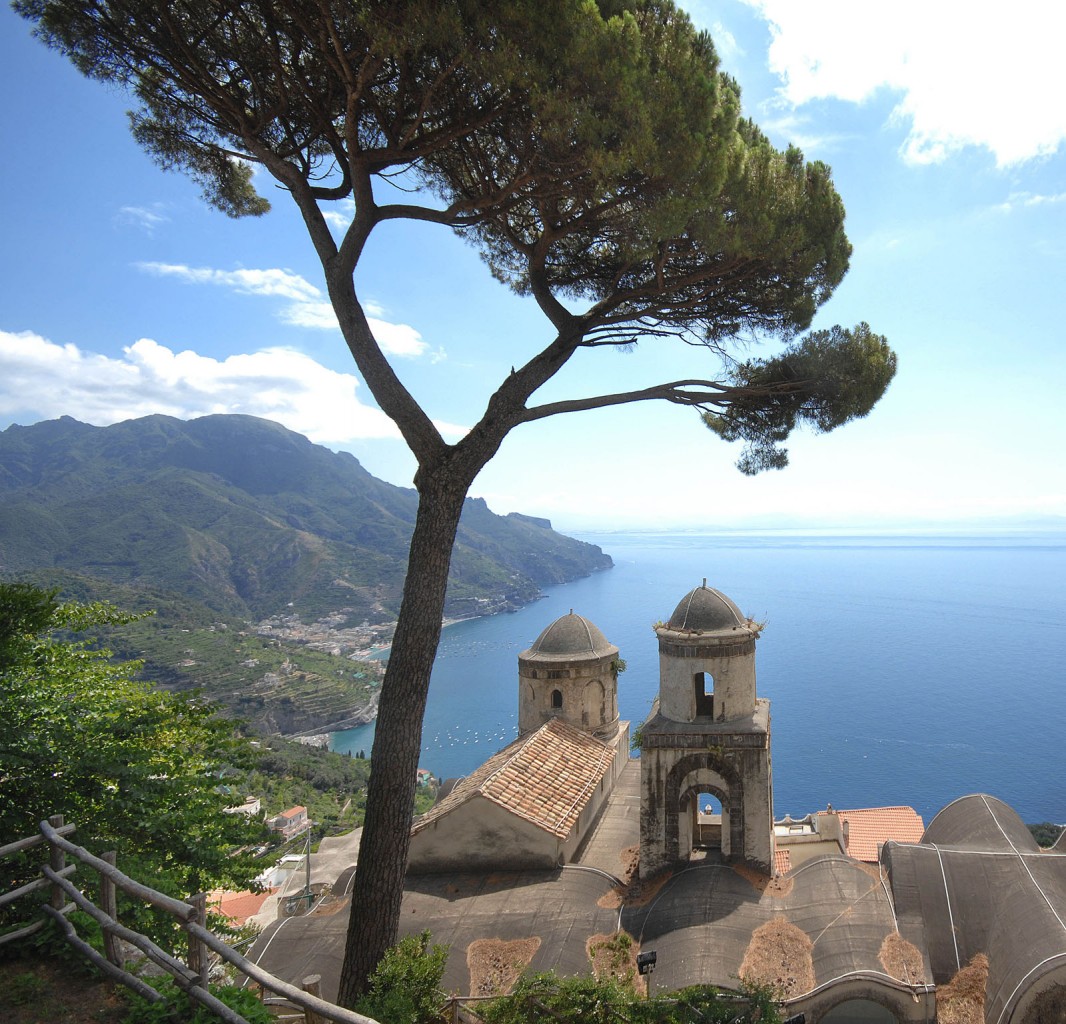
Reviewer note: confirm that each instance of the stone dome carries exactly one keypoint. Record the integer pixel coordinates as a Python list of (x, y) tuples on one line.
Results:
[(570, 638), (706, 610)]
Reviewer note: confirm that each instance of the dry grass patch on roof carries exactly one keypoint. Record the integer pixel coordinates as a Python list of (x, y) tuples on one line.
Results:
[(780, 886), (634, 891), (962, 1000), (615, 956), (496, 964), (638, 893), (779, 955), (902, 959)]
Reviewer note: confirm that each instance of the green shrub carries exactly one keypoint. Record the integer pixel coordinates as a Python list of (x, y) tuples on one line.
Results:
[(405, 986), (178, 1008), (540, 997)]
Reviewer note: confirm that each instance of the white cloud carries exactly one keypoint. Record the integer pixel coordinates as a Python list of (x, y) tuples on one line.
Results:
[(968, 76), (341, 214), (451, 431), (725, 43), (397, 339), (146, 217), (249, 282), (41, 380), (307, 307), (1026, 200)]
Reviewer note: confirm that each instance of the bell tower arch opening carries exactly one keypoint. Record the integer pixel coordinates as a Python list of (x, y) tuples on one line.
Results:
[(703, 683), (703, 826)]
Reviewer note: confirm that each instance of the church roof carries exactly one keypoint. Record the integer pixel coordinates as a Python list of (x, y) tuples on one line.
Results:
[(570, 638), (978, 883), (546, 778), (706, 610)]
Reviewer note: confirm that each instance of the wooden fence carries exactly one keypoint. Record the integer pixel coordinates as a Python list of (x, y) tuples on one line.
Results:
[(190, 914)]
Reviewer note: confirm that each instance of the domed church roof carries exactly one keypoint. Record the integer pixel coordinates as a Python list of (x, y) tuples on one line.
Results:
[(570, 638), (706, 610)]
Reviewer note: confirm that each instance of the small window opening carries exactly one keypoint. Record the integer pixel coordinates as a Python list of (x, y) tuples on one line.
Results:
[(557, 699), (704, 684)]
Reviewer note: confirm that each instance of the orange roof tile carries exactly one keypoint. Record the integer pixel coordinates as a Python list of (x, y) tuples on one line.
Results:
[(782, 862), (868, 827), (239, 906), (545, 777)]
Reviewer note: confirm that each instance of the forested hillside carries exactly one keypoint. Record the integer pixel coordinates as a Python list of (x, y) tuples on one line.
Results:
[(249, 519), (261, 554)]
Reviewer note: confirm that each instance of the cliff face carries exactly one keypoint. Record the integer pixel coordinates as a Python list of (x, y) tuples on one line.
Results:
[(249, 519)]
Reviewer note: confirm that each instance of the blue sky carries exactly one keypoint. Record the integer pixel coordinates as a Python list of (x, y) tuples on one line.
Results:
[(122, 294)]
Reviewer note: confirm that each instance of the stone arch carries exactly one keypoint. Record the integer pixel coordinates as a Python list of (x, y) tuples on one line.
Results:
[(706, 772), (688, 837)]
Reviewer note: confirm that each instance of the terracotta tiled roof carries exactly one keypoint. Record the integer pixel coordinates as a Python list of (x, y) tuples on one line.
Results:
[(868, 827), (545, 777), (782, 862), (293, 812), (239, 906)]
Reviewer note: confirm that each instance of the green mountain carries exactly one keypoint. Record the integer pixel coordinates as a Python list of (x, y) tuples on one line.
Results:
[(250, 520)]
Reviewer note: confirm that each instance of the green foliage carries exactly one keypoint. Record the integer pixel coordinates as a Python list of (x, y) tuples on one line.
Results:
[(405, 987), (178, 1008), (185, 518), (136, 770), (825, 380), (331, 786), (1046, 833), (584, 1000)]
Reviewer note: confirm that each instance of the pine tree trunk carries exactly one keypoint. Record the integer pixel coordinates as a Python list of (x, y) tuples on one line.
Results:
[(379, 877)]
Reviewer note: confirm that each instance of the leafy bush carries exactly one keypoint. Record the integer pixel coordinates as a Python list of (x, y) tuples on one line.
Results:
[(1045, 833), (134, 769), (405, 986), (540, 997), (180, 1009)]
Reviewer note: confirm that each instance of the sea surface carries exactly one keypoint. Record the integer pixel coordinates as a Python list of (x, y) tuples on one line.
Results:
[(900, 669)]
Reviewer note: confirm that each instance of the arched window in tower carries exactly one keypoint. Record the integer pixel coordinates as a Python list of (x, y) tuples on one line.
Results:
[(557, 700), (704, 684)]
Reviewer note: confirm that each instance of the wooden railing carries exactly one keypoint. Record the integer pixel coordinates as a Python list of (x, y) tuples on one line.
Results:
[(190, 914)]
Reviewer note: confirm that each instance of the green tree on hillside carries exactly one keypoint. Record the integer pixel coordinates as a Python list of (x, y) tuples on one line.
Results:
[(135, 769), (594, 153)]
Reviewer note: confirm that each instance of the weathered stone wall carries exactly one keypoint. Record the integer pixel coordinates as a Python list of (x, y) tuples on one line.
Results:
[(730, 663), (479, 835), (588, 689)]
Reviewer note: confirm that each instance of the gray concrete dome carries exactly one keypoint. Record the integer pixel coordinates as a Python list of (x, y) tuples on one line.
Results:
[(705, 610), (570, 638)]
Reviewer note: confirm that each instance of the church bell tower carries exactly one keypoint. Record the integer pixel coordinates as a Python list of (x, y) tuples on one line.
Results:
[(708, 733)]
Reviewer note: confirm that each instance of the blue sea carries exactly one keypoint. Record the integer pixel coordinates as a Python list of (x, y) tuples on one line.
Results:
[(900, 669)]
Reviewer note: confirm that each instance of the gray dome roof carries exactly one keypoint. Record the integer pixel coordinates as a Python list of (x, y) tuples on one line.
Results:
[(570, 638), (706, 610)]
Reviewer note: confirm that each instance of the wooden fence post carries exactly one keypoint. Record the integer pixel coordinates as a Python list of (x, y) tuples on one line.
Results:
[(198, 956), (57, 861), (109, 905), (311, 986)]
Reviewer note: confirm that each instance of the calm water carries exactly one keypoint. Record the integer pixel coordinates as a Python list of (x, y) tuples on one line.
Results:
[(900, 670)]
